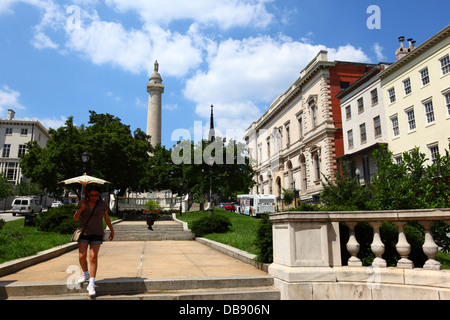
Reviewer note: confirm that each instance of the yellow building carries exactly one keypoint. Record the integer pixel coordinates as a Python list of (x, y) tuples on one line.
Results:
[(416, 91)]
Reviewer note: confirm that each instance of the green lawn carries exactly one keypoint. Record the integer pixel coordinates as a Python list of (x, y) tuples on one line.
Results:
[(242, 233), (17, 241)]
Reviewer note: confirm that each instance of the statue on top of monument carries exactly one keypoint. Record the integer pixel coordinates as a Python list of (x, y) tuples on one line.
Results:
[(156, 65)]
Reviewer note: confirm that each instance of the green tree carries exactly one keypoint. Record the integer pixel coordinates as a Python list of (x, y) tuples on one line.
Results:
[(410, 184), (288, 196), (116, 155), (344, 191)]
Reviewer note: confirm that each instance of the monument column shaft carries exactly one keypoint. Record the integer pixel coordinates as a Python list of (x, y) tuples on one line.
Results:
[(154, 116), (155, 89)]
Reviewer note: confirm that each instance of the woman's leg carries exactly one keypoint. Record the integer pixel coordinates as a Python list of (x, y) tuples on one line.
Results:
[(82, 255), (93, 259)]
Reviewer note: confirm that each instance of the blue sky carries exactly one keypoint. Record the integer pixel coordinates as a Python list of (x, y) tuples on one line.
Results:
[(63, 58)]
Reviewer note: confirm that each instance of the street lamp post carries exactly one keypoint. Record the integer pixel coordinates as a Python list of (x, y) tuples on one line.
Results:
[(84, 159), (357, 172)]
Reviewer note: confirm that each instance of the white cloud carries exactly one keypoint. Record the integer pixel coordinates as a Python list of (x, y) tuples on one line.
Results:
[(379, 51), (135, 50), (42, 41), (225, 14), (9, 99), (53, 122), (245, 76)]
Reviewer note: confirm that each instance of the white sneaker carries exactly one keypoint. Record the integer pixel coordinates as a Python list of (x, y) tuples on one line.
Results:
[(84, 278), (91, 290)]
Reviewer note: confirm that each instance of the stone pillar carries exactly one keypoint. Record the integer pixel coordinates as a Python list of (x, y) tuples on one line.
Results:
[(155, 89), (303, 252)]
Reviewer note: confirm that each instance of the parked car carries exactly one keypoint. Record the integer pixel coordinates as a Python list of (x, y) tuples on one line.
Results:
[(230, 206), (56, 204), (26, 206)]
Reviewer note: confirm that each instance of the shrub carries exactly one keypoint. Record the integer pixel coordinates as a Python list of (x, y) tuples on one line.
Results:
[(211, 224), (263, 241), (59, 219)]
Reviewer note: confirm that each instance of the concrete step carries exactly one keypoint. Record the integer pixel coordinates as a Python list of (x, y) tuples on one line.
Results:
[(233, 288), (140, 232)]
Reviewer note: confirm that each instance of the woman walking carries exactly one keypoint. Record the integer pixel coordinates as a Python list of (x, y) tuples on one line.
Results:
[(92, 211)]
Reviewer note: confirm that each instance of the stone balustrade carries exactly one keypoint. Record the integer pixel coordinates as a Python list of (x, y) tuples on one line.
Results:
[(307, 257)]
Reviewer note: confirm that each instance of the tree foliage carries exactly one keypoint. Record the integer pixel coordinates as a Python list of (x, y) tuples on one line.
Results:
[(115, 153)]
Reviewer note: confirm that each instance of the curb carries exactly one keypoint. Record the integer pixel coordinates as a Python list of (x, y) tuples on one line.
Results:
[(19, 264), (22, 263), (235, 253)]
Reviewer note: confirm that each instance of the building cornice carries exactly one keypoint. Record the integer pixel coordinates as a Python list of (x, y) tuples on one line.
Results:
[(438, 37)]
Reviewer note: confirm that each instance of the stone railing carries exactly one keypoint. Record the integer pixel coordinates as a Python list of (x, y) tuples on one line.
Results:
[(307, 257)]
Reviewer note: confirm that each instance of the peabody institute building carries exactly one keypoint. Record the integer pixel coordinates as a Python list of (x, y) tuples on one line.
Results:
[(300, 136)]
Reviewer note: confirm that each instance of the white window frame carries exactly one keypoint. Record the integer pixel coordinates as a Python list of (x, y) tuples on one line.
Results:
[(374, 96), (411, 121), (348, 112), (434, 151), (424, 76), (429, 111), (377, 126), (445, 65), (363, 133), (407, 86), (395, 126), (350, 139), (360, 102), (391, 93), (447, 102)]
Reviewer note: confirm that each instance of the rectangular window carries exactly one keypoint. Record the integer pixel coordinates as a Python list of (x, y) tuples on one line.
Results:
[(350, 138), (9, 131), (22, 149), (288, 137), (407, 86), (374, 95), (434, 151), (395, 128), (314, 116), (23, 132), (348, 112), (447, 102), (424, 76), (362, 130), (398, 160), (377, 126), (300, 127), (411, 119), (445, 65), (6, 150), (360, 105), (391, 95), (429, 112)]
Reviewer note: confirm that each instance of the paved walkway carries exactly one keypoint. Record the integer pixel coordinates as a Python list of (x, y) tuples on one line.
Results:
[(141, 259)]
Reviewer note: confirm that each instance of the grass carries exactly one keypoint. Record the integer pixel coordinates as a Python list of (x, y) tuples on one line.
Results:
[(242, 233), (17, 241)]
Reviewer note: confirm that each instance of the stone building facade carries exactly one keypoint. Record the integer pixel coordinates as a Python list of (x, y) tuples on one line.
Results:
[(14, 135), (298, 139)]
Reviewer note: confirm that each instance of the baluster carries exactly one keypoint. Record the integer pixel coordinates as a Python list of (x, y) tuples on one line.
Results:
[(353, 246), (430, 248), (403, 247), (377, 246)]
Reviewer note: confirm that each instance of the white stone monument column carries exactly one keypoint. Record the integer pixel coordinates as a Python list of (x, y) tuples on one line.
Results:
[(155, 89)]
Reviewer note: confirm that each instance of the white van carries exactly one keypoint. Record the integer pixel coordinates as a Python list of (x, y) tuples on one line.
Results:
[(255, 205), (26, 206)]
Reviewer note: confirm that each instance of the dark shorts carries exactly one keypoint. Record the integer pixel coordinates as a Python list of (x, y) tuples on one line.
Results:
[(92, 239)]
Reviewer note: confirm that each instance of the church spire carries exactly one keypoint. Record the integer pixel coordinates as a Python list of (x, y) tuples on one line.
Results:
[(212, 133)]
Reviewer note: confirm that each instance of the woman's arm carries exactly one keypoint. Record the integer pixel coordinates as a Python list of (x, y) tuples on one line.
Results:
[(109, 224), (79, 210)]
